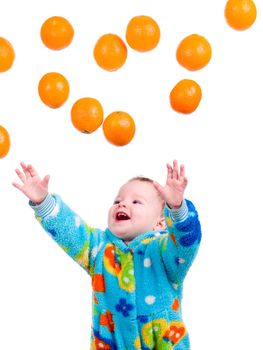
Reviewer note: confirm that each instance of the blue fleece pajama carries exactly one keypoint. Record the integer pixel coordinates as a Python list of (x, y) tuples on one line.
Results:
[(137, 287)]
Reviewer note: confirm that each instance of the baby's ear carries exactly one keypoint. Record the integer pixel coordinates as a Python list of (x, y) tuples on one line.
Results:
[(161, 224)]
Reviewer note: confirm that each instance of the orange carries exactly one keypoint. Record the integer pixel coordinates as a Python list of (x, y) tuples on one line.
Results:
[(240, 14), (56, 33), (4, 142), (7, 55), (194, 52), (110, 52), (87, 114), (119, 128), (53, 89), (142, 33), (185, 96)]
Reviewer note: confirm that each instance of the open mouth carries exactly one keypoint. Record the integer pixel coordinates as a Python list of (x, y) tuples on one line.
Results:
[(121, 216)]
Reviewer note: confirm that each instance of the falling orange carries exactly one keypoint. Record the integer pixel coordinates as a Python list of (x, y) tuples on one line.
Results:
[(56, 33), (53, 89), (87, 114), (240, 14), (110, 52), (142, 33), (7, 55), (185, 96), (4, 142), (119, 128), (194, 52)]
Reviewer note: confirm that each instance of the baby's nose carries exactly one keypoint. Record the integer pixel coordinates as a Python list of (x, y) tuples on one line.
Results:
[(122, 204)]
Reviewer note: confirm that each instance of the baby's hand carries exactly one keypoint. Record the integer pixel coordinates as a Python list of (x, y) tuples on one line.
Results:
[(32, 186), (176, 182)]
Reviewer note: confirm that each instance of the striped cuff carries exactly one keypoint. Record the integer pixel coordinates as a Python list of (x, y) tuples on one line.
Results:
[(45, 208), (179, 214)]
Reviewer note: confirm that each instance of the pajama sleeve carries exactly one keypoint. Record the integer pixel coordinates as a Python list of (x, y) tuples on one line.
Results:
[(72, 234), (179, 247)]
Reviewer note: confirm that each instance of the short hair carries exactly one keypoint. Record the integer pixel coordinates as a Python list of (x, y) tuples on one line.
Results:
[(141, 178)]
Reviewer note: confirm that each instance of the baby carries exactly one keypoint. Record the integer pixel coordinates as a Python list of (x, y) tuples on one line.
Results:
[(137, 264)]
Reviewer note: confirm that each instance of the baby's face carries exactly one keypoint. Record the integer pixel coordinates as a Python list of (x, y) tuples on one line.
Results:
[(136, 209)]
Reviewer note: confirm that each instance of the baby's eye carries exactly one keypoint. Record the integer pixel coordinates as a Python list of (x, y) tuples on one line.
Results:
[(116, 201), (136, 201)]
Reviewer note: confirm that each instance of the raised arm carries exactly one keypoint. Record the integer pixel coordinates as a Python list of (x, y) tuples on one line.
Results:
[(180, 246), (63, 225)]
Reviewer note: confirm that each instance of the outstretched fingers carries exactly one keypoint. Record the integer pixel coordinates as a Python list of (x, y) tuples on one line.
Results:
[(176, 172), (20, 175), (32, 171), (25, 170), (18, 186), (175, 169), (183, 179), (182, 171), (45, 181), (169, 172)]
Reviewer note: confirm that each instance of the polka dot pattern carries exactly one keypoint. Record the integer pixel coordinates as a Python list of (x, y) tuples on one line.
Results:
[(150, 299), (147, 262)]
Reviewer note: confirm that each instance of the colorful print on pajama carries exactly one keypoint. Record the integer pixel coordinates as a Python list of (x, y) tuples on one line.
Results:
[(137, 288)]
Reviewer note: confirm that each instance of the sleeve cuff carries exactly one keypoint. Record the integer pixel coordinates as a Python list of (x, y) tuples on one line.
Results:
[(45, 208), (179, 214)]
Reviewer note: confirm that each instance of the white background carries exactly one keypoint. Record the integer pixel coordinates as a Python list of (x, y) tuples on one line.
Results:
[(45, 298)]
